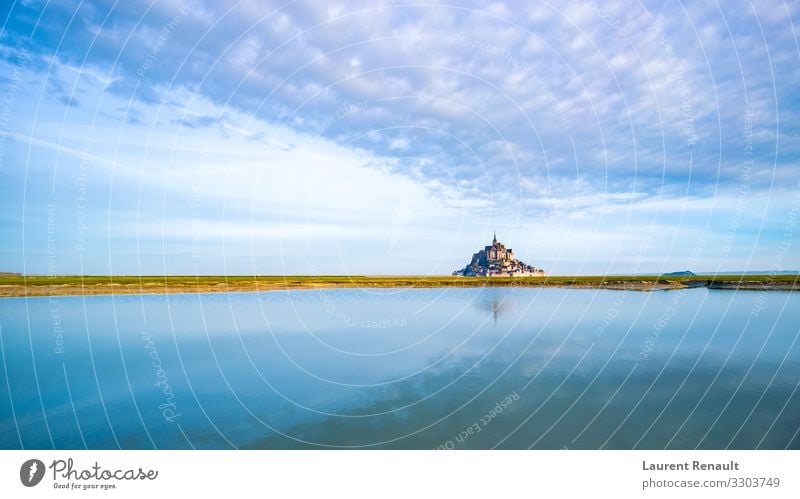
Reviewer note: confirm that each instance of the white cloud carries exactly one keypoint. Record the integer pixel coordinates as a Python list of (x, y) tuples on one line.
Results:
[(576, 113), (398, 144)]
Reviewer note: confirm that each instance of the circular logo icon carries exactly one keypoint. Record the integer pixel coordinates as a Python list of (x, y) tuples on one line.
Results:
[(31, 472)]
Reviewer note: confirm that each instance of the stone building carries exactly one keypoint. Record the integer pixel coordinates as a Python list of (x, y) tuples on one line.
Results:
[(497, 260)]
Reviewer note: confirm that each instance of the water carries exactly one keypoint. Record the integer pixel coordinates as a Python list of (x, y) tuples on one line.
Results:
[(403, 368)]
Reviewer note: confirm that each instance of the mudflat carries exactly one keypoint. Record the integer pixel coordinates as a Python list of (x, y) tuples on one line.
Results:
[(11, 286)]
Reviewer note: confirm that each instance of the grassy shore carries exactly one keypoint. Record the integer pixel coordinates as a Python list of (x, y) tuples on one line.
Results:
[(101, 285)]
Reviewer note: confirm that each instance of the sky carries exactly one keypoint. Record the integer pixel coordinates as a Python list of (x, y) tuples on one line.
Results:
[(200, 137)]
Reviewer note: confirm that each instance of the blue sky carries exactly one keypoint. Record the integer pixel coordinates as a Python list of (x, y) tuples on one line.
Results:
[(347, 138)]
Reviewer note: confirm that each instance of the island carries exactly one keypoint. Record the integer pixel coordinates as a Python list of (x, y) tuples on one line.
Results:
[(494, 261)]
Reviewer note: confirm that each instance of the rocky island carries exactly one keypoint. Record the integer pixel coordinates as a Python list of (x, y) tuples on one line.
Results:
[(496, 261)]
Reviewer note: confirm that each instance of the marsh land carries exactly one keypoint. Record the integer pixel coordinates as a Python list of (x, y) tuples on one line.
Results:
[(104, 285)]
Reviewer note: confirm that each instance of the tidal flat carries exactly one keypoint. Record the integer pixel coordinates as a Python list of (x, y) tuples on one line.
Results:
[(112, 285)]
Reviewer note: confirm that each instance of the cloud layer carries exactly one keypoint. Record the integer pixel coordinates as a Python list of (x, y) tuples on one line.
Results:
[(386, 138)]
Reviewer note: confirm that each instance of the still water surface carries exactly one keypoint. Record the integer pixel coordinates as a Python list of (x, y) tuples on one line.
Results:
[(402, 368)]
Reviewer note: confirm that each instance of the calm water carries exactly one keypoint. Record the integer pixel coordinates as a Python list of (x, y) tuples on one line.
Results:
[(401, 368)]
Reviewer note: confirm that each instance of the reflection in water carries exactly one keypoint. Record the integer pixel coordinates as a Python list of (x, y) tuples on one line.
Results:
[(495, 301), (402, 369)]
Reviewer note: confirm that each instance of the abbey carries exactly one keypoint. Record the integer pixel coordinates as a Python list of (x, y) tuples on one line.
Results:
[(496, 260)]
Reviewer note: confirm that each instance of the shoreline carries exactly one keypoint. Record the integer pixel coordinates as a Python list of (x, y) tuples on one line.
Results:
[(43, 286)]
